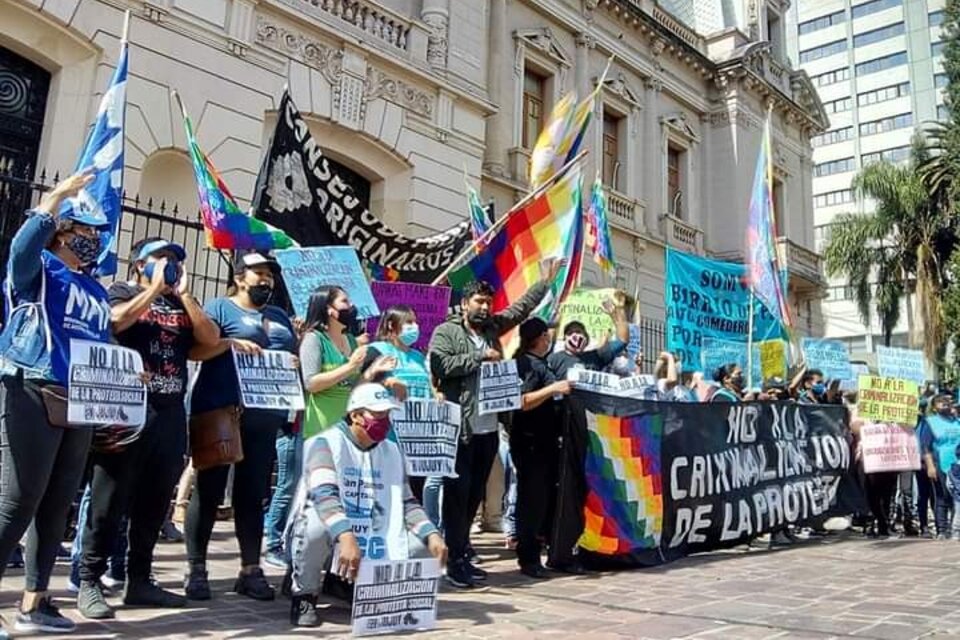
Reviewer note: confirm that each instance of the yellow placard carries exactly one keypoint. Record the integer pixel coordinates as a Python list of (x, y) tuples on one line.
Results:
[(773, 359), (586, 306), (889, 400)]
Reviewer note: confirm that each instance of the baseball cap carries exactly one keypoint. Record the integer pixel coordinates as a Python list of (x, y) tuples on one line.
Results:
[(372, 396), (532, 328), (774, 382), (159, 245), (250, 259), (84, 210)]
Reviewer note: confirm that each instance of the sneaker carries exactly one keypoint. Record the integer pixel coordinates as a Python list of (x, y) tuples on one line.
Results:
[(478, 574), (116, 576), (63, 553), (535, 571), (16, 558), (91, 603), (275, 559), (254, 585), (573, 568), (196, 585), (472, 556), (45, 617), (303, 611), (459, 576), (925, 533), (147, 593), (170, 533)]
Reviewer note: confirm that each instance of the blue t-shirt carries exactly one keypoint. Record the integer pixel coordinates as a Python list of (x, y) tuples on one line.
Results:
[(940, 437), (268, 327)]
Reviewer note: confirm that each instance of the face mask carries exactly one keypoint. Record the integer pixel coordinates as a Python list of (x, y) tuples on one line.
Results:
[(737, 381), (409, 334), (477, 318), (260, 294), (819, 389), (171, 273), (376, 428), (348, 316), (576, 342), (86, 248), (946, 411)]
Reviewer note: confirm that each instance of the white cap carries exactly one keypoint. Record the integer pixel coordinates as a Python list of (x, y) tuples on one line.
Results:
[(372, 396)]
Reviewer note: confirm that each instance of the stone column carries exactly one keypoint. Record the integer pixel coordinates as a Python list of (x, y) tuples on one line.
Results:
[(499, 66), (653, 175), (582, 86), (436, 14)]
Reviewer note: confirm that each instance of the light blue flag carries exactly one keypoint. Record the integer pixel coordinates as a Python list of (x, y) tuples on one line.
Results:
[(101, 201)]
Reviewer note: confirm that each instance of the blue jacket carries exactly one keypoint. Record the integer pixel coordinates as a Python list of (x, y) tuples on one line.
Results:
[(48, 305)]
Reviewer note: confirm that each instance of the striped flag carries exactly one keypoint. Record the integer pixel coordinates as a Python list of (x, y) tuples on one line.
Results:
[(479, 221), (598, 229)]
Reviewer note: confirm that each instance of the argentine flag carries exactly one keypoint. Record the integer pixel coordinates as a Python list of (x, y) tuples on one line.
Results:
[(101, 200)]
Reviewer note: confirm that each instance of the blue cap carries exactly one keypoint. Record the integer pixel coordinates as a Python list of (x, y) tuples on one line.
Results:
[(80, 212), (159, 245)]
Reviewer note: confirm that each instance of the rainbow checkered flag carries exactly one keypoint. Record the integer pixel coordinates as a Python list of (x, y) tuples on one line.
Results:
[(598, 229)]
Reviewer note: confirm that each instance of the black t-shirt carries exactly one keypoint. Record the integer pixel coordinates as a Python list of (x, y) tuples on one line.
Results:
[(543, 421), (162, 336), (596, 359)]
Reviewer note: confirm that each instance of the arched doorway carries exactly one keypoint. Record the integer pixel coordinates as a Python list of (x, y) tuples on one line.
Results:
[(23, 103)]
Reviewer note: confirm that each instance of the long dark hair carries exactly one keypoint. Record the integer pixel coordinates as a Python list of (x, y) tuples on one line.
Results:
[(393, 319), (318, 308)]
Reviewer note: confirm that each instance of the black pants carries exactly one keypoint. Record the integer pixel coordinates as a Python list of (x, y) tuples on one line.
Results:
[(138, 482), (924, 499), (462, 495), (880, 492), (251, 489), (536, 461), (40, 471), (572, 489)]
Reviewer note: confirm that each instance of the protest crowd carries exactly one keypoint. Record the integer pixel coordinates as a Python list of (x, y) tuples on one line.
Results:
[(348, 429)]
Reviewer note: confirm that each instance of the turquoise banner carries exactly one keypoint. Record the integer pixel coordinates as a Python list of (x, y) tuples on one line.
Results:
[(710, 299)]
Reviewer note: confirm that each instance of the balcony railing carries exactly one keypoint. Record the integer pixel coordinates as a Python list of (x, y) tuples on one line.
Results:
[(375, 21), (684, 235), (624, 212), (801, 261)]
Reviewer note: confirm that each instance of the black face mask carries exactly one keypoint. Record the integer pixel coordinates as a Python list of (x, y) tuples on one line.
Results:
[(477, 319), (348, 317), (260, 294), (737, 382)]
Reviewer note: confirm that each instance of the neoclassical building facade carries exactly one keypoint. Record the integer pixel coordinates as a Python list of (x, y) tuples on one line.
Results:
[(408, 96)]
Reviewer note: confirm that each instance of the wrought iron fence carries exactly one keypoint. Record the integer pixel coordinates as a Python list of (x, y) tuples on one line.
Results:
[(208, 269), (652, 341)]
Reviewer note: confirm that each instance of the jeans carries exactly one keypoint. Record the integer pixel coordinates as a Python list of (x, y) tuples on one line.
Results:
[(510, 490), (432, 490), (462, 495), (251, 489), (289, 466), (138, 482), (41, 467), (118, 558)]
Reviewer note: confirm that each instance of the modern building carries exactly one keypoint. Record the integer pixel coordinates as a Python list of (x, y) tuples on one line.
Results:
[(406, 94), (877, 65)]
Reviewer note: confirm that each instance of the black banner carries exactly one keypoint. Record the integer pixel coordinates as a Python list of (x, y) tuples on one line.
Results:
[(728, 472), (299, 191)]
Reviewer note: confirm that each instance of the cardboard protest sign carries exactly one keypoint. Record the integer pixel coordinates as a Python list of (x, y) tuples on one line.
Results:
[(105, 385), (908, 364), (430, 303), (499, 387), (889, 447), (306, 269), (716, 353), (634, 346), (428, 433), (889, 400), (830, 356), (586, 306), (773, 358), (269, 380), (391, 596), (639, 386)]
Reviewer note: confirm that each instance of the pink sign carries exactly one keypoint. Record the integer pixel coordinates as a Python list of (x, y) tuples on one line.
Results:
[(889, 447), (430, 303)]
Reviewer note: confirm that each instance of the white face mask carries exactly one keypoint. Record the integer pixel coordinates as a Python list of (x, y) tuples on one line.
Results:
[(621, 366)]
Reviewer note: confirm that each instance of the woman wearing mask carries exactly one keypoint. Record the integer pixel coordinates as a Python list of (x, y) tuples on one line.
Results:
[(51, 299), (248, 324), (729, 379), (535, 444)]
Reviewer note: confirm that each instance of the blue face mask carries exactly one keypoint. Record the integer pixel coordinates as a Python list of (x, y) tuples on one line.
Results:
[(409, 334), (819, 389), (170, 273)]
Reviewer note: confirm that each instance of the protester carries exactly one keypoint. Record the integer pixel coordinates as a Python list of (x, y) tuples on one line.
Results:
[(729, 379), (572, 492), (457, 349), (811, 388), (350, 481), (535, 444), (289, 450), (248, 323), (52, 298), (939, 435), (155, 315)]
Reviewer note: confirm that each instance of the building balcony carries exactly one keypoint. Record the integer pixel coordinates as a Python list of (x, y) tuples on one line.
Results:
[(683, 235), (623, 212), (804, 266)]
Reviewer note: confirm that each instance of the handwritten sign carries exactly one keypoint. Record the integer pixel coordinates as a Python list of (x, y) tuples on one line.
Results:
[(586, 306), (716, 352), (430, 303), (391, 596), (428, 432), (640, 386), (909, 364), (829, 356), (499, 387), (105, 385), (889, 400), (634, 346), (773, 359), (306, 269), (268, 380), (889, 447)]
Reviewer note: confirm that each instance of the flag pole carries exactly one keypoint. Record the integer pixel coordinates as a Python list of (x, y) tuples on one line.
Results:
[(126, 27), (504, 218), (750, 339)]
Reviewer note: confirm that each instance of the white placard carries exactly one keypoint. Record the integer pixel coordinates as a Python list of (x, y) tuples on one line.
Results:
[(391, 596), (268, 380), (889, 447), (428, 433), (105, 386), (499, 387), (610, 384)]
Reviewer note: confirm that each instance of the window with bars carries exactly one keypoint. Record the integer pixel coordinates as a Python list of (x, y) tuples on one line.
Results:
[(834, 167), (675, 157), (822, 51), (832, 77), (816, 24), (894, 155), (883, 125), (832, 137), (878, 35), (533, 104), (838, 106), (882, 64), (611, 150), (833, 198), (883, 94), (867, 8)]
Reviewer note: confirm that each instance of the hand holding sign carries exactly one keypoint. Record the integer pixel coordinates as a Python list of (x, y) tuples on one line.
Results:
[(350, 555)]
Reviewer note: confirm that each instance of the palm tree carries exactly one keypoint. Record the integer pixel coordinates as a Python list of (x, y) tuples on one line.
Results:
[(902, 246)]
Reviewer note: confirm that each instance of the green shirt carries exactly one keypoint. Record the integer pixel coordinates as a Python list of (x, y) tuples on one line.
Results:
[(318, 354)]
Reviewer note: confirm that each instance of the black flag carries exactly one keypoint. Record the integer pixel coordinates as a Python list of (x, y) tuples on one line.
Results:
[(299, 191)]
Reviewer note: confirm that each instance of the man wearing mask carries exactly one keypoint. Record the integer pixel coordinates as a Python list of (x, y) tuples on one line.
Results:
[(939, 435), (154, 314), (457, 349), (572, 491)]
